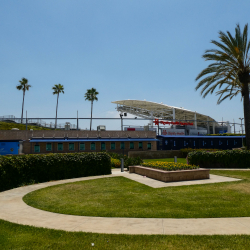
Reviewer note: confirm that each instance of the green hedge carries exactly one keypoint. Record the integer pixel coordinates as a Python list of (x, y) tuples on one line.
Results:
[(225, 134), (26, 169), (220, 159), (186, 151), (128, 161)]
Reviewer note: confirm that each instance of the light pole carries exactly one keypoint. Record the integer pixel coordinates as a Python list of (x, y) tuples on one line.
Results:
[(241, 129), (121, 115)]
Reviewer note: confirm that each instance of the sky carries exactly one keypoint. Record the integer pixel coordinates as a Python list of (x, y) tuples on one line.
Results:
[(126, 49)]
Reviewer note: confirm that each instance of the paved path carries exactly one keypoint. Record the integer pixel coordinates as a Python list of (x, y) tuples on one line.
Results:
[(13, 209)]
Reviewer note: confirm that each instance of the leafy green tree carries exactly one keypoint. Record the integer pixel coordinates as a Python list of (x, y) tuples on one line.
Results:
[(91, 95), (229, 71), (24, 86), (57, 89)]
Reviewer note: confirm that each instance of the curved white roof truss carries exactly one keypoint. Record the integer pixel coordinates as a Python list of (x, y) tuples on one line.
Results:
[(153, 110)]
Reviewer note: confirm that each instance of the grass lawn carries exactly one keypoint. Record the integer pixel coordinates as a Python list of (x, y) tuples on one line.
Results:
[(122, 197), (13, 236), (181, 160)]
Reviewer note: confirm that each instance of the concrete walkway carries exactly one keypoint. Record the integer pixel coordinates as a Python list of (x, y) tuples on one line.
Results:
[(13, 209)]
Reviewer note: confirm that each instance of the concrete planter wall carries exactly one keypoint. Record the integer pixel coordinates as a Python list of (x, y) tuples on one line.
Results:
[(171, 176)]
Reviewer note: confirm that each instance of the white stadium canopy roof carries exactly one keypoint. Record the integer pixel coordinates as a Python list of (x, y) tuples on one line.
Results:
[(153, 110)]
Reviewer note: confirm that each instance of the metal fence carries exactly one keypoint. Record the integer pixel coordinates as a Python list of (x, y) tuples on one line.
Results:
[(74, 122), (37, 122)]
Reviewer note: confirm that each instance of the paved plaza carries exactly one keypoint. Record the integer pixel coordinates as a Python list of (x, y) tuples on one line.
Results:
[(13, 209)]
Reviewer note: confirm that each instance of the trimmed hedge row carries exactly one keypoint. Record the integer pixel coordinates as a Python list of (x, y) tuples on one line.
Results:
[(220, 159), (186, 151), (26, 169)]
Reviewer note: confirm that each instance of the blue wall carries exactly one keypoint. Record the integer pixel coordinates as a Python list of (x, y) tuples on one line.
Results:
[(217, 142), (9, 147)]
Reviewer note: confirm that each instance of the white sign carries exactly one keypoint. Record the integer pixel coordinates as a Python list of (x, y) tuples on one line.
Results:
[(173, 132)]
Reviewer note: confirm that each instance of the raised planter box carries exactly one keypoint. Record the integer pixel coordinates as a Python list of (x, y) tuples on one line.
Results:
[(170, 176)]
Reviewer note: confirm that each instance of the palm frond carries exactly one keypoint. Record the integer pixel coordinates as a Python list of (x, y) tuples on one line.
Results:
[(230, 59)]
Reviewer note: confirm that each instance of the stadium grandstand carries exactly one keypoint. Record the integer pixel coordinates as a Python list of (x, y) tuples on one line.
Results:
[(192, 122)]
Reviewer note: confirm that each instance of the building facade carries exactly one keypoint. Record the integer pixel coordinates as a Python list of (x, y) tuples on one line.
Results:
[(42, 142), (216, 142)]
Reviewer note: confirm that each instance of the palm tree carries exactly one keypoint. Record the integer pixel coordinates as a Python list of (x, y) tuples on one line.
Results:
[(57, 89), (229, 71), (91, 95), (23, 86)]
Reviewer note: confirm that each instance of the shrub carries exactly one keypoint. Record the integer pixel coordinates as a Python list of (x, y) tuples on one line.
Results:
[(220, 159), (225, 134), (115, 163), (128, 161), (169, 166), (24, 169), (133, 161), (186, 151)]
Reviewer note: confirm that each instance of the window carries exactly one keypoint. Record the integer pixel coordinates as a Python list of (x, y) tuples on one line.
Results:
[(149, 145), (37, 149), (122, 145), (184, 143), (59, 146), (174, 144), (92, 146), (140, 145), (82, 146), (71, 146), (103, 146), (212, 143), (48, 146), (131, 145), (194, 143), (113, 145)]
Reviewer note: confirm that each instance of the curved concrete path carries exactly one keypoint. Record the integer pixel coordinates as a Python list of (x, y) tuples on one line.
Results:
[(13, 209)]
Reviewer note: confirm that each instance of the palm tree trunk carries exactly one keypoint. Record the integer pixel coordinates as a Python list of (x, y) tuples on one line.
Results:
[(246, 113), (22, 106), (56, 110), (91, 115)]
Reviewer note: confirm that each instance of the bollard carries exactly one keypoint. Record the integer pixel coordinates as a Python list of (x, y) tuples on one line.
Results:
[(175, 159), (122, 165)]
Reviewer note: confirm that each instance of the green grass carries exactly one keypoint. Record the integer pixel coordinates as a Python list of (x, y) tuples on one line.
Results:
[(14, 236), (10, 125), (180, 160), (122, 197)]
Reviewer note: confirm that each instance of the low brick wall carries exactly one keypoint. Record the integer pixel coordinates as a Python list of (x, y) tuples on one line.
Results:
[(171, 176), (156, 154)]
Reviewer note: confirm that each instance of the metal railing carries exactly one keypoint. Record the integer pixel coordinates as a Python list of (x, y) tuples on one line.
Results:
[(44, 122)]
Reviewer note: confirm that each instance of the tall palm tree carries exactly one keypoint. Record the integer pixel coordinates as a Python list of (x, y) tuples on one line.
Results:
[(24, 86), (229, 71), (91, 95), (57, 89)]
